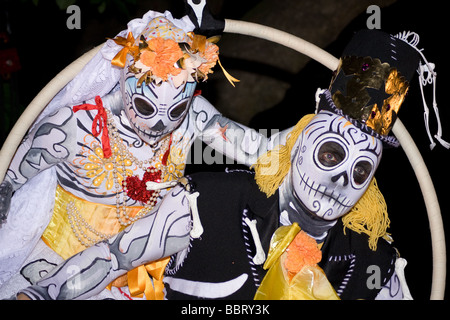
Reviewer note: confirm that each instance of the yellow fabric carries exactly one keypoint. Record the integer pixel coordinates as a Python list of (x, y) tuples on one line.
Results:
[(310, 283), (369, 215), (59, 235)]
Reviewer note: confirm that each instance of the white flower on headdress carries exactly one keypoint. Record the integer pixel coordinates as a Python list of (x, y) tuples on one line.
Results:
[(190, 65), (164, 51)]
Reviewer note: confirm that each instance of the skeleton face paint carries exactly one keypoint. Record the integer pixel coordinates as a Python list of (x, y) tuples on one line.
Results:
[(160, 70), (154, 111), (333, 165)]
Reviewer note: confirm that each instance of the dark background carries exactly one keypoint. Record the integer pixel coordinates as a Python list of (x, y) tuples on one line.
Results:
[(44, 46)]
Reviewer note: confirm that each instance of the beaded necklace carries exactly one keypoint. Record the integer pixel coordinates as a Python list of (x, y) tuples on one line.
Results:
[(131, 187)]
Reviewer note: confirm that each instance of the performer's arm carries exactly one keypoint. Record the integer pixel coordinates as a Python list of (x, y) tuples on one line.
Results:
[(162, 233)]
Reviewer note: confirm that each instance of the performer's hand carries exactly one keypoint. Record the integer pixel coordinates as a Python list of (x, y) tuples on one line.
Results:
[(6, 190)]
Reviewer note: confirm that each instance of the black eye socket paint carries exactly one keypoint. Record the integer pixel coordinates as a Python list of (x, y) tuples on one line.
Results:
[(361, 172)]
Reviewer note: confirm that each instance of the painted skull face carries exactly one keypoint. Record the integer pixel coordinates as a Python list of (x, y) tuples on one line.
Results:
[(333, 165), (154, 111)]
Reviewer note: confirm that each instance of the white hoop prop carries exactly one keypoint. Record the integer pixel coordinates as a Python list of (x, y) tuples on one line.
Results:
[(399, 130), (259, 31)]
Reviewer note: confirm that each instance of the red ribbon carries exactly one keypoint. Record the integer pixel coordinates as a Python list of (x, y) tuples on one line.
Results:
[(100, 121)]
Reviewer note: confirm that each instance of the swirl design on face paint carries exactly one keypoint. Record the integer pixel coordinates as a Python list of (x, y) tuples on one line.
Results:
[(321, 193)]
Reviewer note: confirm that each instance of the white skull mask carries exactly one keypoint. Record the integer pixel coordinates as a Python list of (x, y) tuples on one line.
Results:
[(333, 165), (154, 111)]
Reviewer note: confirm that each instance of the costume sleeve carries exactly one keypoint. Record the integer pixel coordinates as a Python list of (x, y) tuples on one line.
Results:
[(396, 288), (265, 210), (49, 143), (230, 138), (163, 232)]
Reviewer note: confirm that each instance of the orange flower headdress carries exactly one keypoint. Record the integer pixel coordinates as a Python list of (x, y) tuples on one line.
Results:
[(164, 51)]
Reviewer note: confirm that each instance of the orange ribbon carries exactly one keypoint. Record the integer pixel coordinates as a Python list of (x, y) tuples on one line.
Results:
[(100, 120), (128, 47), (139, 281), (198, 42)]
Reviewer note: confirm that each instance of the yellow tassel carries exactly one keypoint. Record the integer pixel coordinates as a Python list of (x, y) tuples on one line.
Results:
[(229, 77), (272, 167), (369, 215)]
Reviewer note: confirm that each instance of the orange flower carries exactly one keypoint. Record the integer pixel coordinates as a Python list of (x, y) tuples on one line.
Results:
[(302, 251), (161, 56), (148, 58)]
